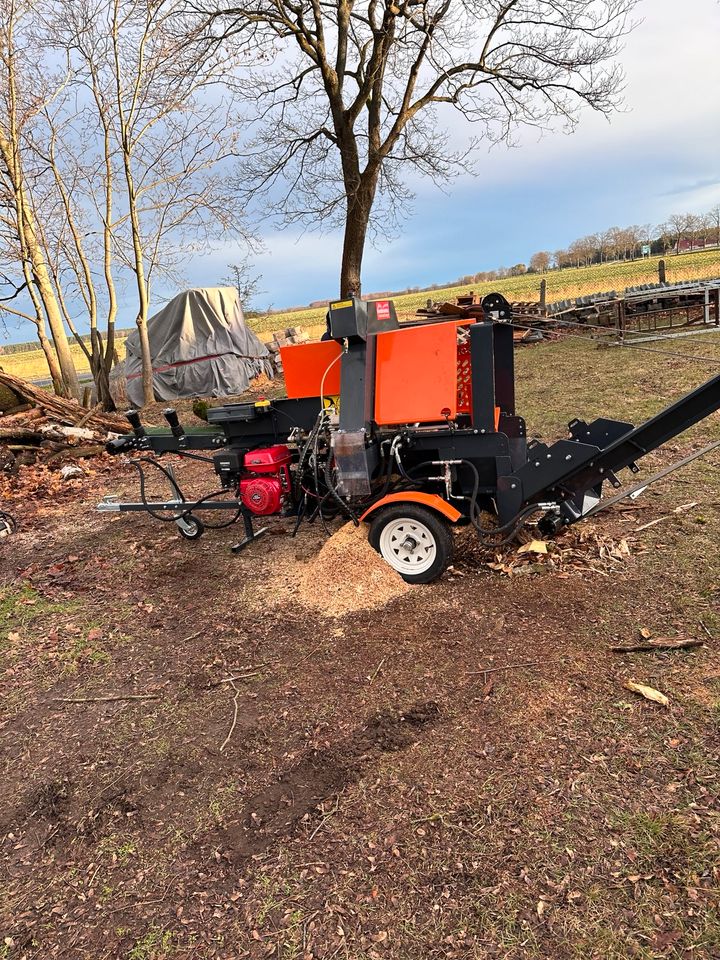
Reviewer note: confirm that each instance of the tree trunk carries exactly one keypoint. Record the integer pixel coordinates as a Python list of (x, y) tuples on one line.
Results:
[(55, 322), (100, 373), (52, 364), (147, 380), (359, 207), (34, 263), (140, 278)]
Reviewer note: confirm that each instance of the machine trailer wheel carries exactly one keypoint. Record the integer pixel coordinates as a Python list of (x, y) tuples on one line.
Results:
[(415, 541), (190, 527)]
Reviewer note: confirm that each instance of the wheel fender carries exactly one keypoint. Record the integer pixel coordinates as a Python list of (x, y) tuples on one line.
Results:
[(430, 500)]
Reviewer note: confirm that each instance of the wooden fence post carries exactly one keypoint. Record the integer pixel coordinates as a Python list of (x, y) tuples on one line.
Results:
[(661, 271), (620, 320)]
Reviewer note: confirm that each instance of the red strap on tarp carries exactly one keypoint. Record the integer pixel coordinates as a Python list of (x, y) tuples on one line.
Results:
[(185, 363)]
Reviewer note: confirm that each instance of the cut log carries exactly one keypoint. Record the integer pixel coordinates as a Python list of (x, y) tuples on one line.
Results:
[(76, 453), (7, 461), (10, 399), (20, 435), (69, 411), (15, 411)]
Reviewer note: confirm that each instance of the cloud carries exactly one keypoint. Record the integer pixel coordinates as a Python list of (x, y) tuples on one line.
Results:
[(693, 187), (657, 155)]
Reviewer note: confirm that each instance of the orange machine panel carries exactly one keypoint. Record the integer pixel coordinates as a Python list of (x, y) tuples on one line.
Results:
[(416, 374), (305, 364)]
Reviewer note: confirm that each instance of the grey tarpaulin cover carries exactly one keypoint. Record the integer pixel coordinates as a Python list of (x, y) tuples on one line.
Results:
[(200, 347)]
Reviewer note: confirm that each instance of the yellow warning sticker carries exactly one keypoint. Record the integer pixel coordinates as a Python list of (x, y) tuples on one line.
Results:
[(340, 304)]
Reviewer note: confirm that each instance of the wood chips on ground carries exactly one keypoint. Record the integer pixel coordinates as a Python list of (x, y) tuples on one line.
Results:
[(346, 575)]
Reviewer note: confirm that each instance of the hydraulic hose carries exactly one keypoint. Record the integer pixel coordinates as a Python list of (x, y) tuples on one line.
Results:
[(184, 514), (336, 496), (485, 534)]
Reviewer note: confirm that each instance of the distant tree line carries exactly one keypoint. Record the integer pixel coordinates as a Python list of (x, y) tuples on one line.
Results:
[(680, 233)]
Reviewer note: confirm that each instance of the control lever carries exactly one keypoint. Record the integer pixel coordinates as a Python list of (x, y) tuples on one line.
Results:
[(176, 427), (120, 445), (133, 417)]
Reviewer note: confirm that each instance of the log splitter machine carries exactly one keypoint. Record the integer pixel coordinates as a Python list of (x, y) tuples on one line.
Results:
[(408, 427)]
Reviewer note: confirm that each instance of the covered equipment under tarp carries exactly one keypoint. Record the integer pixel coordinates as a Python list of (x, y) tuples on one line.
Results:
[(200, 347)]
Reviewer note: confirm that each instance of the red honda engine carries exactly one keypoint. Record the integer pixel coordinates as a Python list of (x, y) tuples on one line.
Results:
[(267, 480)]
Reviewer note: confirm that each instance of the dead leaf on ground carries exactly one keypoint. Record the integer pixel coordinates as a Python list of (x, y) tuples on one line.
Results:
[(650, 693), (534, 546)]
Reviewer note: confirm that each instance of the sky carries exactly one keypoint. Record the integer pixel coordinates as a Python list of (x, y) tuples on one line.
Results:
[(659, 156)]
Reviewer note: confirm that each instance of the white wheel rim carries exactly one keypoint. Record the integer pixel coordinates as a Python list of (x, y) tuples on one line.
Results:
[(408, 546)]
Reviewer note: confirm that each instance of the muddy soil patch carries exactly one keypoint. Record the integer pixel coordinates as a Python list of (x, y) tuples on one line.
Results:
[(275, 812)]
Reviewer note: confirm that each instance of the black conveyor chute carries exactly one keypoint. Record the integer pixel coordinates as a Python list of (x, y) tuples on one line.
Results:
[(675, 419), (573, 467)]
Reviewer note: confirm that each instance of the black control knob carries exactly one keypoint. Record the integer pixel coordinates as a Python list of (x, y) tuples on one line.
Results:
[(133, 417), (175, 426)]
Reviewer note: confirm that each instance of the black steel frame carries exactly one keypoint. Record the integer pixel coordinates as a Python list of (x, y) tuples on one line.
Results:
[(512, 473)]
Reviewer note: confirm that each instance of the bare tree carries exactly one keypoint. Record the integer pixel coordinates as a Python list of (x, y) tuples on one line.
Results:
[(540, 261), (246, 281), (70, 237), (169, 141), (713, 217), (583, 250), (676, 227), (694, 228), (363, 102), (122, 174), (25, 89), (633, 237)]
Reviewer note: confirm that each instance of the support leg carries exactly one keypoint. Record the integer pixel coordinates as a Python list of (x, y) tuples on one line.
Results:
[(250, 533)]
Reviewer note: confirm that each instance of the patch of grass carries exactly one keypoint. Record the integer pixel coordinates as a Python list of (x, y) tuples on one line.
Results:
[(83, 651), (562, 371), (155, 945), (118, 848), (21, 606), (272, 893)]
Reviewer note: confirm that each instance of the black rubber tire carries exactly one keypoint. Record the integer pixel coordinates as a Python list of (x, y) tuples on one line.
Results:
[(197, 532), (435, 523)]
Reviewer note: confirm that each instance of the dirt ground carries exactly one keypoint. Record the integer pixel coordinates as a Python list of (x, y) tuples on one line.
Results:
[(459, 773)]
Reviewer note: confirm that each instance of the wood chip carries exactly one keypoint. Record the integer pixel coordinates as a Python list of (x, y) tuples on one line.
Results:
[(650, 693), (659, 644)]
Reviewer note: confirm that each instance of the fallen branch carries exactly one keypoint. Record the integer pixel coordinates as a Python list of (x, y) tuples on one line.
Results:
[(110, 699), (308, 655), (378, 668), (89, 415), (683, 508), (510, 666), (21, 435), (226, 741), (326, 817), (15, 411), (656, 645), (244, 676)]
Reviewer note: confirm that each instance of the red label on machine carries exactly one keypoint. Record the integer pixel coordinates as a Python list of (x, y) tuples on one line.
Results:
[(382, 309)]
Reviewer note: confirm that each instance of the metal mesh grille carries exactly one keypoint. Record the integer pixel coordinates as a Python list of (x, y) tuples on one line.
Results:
[(464, 383)]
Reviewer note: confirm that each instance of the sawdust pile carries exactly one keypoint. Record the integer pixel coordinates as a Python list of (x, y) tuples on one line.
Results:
[(347, 575)]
